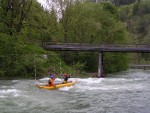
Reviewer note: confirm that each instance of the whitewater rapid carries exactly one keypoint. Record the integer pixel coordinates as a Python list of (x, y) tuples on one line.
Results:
[(125, 92)]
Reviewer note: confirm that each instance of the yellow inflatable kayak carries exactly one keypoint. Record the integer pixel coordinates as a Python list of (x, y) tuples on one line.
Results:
[(57, 86)]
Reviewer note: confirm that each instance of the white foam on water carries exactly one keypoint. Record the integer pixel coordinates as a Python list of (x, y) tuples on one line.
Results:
[(90, 88), (90, 80), (105, 84), (46, 78), (108, 88), (4, 86), (39, 83), (15, 80), (8, 92), (66, 88), (1, 96)]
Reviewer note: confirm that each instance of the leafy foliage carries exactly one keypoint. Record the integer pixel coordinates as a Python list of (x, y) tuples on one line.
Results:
[(20, 36)]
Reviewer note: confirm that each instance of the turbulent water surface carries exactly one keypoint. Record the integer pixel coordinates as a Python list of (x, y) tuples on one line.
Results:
[(126, 92)]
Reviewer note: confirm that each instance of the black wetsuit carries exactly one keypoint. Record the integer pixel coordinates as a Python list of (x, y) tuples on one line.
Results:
[(66, 78)]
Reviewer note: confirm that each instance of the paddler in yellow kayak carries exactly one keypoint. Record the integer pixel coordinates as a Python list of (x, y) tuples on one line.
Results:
[(66, 77), (51, 81)]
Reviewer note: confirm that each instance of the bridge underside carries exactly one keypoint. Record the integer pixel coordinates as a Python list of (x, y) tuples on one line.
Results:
[(97, 48)]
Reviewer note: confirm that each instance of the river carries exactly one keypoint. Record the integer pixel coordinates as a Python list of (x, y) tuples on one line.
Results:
[(125, 92)]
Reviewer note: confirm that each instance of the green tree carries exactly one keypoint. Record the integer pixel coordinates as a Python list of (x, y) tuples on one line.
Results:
[(13, 14), (20, 36)]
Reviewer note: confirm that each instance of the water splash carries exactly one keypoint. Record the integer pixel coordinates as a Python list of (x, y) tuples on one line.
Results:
[(66, 88), (106, 84), (9, 92)]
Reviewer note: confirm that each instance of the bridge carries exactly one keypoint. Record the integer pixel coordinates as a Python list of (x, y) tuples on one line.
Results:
[(137, 66), (96, 47), (86, 47)]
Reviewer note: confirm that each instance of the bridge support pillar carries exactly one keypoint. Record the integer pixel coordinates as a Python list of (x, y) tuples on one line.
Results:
[(100, 65)]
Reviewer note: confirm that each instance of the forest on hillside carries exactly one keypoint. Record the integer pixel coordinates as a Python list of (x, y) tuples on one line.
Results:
[(26, 24)]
